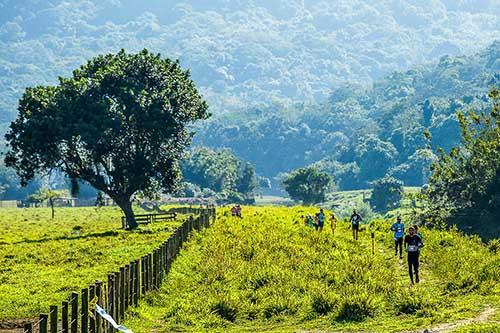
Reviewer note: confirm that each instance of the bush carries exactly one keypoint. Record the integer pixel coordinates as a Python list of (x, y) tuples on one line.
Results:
[(356, 307), (323, 304), (279, 306), (412, 301), (386, 194), (494, 245), (225, 310)]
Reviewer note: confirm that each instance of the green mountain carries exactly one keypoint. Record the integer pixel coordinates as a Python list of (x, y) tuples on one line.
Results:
[(360, 135), (346, 85), (241, 52)]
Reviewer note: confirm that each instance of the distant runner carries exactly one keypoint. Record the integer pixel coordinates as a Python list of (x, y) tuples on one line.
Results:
[(418, 233), (413, 244), (333, 223), (399, 234), (321, 220), (309, 221), (355, 220)]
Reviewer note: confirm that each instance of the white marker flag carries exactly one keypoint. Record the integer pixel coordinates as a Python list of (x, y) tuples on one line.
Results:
[(110, 319)]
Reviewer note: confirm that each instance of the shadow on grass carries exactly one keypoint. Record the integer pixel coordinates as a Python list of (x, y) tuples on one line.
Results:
[(109, 233)]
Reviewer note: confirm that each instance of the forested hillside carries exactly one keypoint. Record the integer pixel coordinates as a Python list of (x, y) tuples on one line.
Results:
[(240, 52), (290, 83), (360, 135)]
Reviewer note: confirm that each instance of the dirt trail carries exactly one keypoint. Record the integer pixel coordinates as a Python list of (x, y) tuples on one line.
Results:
[(450, 327), (483, 317)]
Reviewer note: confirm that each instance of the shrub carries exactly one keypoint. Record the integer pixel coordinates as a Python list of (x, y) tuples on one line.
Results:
[(494, 245), (356, 307), (225, 310), (412, 301), (322, 304)]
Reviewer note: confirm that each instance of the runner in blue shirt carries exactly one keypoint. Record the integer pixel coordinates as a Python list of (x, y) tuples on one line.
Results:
[(399, 232), (321, 220)]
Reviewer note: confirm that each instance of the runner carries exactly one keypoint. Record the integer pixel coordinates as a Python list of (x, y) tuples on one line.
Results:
[(355, 220), (333, 223), (309, 221), (418, 233), (413, 244), (321, 220), (399, 234)]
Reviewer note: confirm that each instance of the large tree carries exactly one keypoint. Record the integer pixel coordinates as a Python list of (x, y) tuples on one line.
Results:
[(119, 123), (465, 183), (387, 193), (308, 184)]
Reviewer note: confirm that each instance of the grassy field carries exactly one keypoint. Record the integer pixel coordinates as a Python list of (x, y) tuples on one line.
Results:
[(43, 260), (268, 272)]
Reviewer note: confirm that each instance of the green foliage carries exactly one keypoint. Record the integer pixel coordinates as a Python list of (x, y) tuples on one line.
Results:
[(274, 44), (387, 193), (10, 185), (308, 185), (465, 183), (374, 157), (362, 134), (44, 194), (43, 260), (357, 305), (119, 123), (221, 172), (266, 88)]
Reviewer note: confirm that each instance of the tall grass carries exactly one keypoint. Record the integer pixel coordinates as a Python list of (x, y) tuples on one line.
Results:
[(268, 269)]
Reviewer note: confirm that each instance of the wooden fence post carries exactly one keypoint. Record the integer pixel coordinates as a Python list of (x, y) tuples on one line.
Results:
[(126, 283), (116, 298), (92, 309), (111, 298), (85, 311), (150, 271), (65, 317), (44, 318), (120, 295), (137, 280), (74, 312), (53, 318), (160, 265), (143, 276), (98, 294), (154, 257), (131, 281)]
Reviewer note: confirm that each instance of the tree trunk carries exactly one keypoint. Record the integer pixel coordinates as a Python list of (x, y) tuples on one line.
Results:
[(51, 202), (126, 207)]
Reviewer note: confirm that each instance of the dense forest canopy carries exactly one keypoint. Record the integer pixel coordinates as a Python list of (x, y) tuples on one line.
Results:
[(240, 52), (349, 86), (360, 135)]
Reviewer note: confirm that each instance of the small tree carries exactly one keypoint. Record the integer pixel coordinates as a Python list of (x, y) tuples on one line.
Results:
[(387, 193), (45, 194), (119, 123), (308, 184)]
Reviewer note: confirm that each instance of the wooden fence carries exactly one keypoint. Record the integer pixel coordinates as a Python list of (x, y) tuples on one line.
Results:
[(123, 288)]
